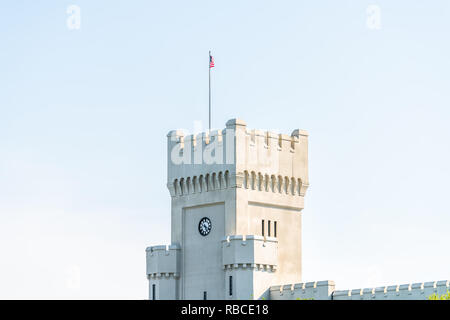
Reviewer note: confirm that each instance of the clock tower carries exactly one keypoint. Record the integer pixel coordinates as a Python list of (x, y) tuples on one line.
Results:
[(236, 203)]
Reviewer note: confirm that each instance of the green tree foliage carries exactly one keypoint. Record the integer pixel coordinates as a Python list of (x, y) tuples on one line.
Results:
[(435, 296)]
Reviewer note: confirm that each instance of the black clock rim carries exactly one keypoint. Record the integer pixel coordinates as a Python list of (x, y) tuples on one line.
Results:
[(210, 224)]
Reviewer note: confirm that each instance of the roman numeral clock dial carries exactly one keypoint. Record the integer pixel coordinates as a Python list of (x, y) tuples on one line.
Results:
[(204, 226)]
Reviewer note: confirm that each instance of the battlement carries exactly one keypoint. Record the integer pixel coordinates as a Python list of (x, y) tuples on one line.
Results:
[(197, 154), (251, 251), (240, 151), (324, 290), (162, 261), (317, 290), (414, 291)]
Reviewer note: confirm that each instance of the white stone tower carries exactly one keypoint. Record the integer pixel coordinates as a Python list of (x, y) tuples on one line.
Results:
[(237, 196)]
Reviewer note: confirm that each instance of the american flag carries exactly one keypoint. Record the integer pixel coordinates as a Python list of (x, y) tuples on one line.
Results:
[(211, 61)]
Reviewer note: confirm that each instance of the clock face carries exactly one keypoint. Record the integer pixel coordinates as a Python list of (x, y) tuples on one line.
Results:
[(204, 226)]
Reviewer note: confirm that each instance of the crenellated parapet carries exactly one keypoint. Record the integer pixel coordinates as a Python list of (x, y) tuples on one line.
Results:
[(162, 261), (316, 290), (256, 159), (195, 155), (250, 252), (325, 290), (273, 156), (414, 291)]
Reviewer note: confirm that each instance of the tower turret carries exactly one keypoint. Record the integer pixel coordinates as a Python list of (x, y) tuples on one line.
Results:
[(236, 202)]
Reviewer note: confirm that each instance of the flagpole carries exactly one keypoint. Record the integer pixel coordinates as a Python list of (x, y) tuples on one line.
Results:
[(209, 67)]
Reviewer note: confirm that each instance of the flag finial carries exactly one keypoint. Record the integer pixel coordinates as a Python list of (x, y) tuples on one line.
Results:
[(211, 65)]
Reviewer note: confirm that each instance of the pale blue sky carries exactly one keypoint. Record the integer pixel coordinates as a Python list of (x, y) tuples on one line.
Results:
[(85, 113)]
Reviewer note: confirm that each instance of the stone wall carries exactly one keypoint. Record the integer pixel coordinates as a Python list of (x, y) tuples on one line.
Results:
[(325, 290)]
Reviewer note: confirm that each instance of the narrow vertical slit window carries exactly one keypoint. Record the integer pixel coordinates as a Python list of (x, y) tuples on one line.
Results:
[(205, 295), (268, 228), (275, 229), (153, 292), (231, 286), (262, 228)]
